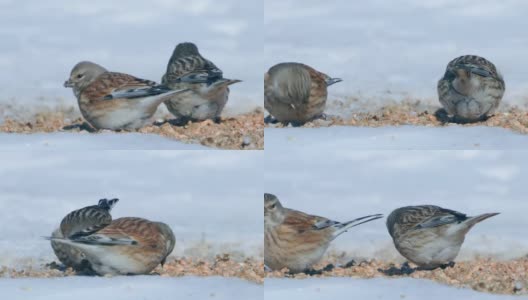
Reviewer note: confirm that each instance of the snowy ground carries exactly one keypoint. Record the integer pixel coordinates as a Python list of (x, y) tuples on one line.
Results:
[(139, 287), (43, 41), (399, 46), (337, 288), (346, 138), (103, 141), (211, 199), (334, 181)]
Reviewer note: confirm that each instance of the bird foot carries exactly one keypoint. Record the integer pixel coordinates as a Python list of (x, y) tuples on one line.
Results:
[(323, 116), (81, 127), (270, 120), (174, 122), (312, 272), (349, 264), (442, 116), (451, 264), (55, 266), (405, 269)]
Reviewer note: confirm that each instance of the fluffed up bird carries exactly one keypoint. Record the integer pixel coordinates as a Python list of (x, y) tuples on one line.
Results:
[(471, 88), (81, 222), (209, 91), (430, 236), (297, 241), (115, 101), (127, 246), (296, 93)]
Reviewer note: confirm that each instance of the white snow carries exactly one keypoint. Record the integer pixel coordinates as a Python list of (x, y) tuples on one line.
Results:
[(130, 288), (343, 288), (452, 137), (41, 42), (210, 199), (102, 141)]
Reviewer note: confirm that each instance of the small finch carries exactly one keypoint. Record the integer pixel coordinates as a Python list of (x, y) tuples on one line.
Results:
[(115, 101), (209, 91), (296, 93), (471, 88), (128, 246), (430, 236), (297, 241), (81, 222)]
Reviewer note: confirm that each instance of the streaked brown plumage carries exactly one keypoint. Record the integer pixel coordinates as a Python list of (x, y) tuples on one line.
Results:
[(471, 89), (295, 240), (69, 256), (88, 220), (209, 91), (428, 235), (81, 222), (127, 246), (295, 92), (109, 100)]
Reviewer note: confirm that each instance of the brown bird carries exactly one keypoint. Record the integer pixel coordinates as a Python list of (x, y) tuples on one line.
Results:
[(209, 91), (471, 88), (296, 93), (81, 222), (430, 236), (110, 100), (295, 240), (128, 246)]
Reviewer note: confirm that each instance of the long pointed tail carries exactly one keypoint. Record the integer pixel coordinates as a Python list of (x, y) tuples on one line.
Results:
[(225, 82), (343, 227), (108, 204), (157, 100), (474, 220)]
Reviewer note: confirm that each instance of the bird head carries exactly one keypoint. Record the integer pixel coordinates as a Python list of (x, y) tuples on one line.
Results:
[(185, 49), (273, 210), (82, 75)]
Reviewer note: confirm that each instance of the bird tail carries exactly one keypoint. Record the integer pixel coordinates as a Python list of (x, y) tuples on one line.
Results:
[(343, 227), (93, 240), (331, 81), (226, 82), (108, 204), (158, 99), (474, 220)]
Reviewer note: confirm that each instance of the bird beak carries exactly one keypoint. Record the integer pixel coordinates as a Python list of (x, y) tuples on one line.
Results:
[(68, 84), (332, 81)]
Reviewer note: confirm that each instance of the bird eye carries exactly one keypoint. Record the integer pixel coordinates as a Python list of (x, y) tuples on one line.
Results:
[(273, 206), (80, 76)]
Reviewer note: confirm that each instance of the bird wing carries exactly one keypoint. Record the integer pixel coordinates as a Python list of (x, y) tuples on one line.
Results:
[(85, 221), (88, 230), (191, 69), (303, 222), (113, 85), (441, 216), (106, 239), (476, 65)]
